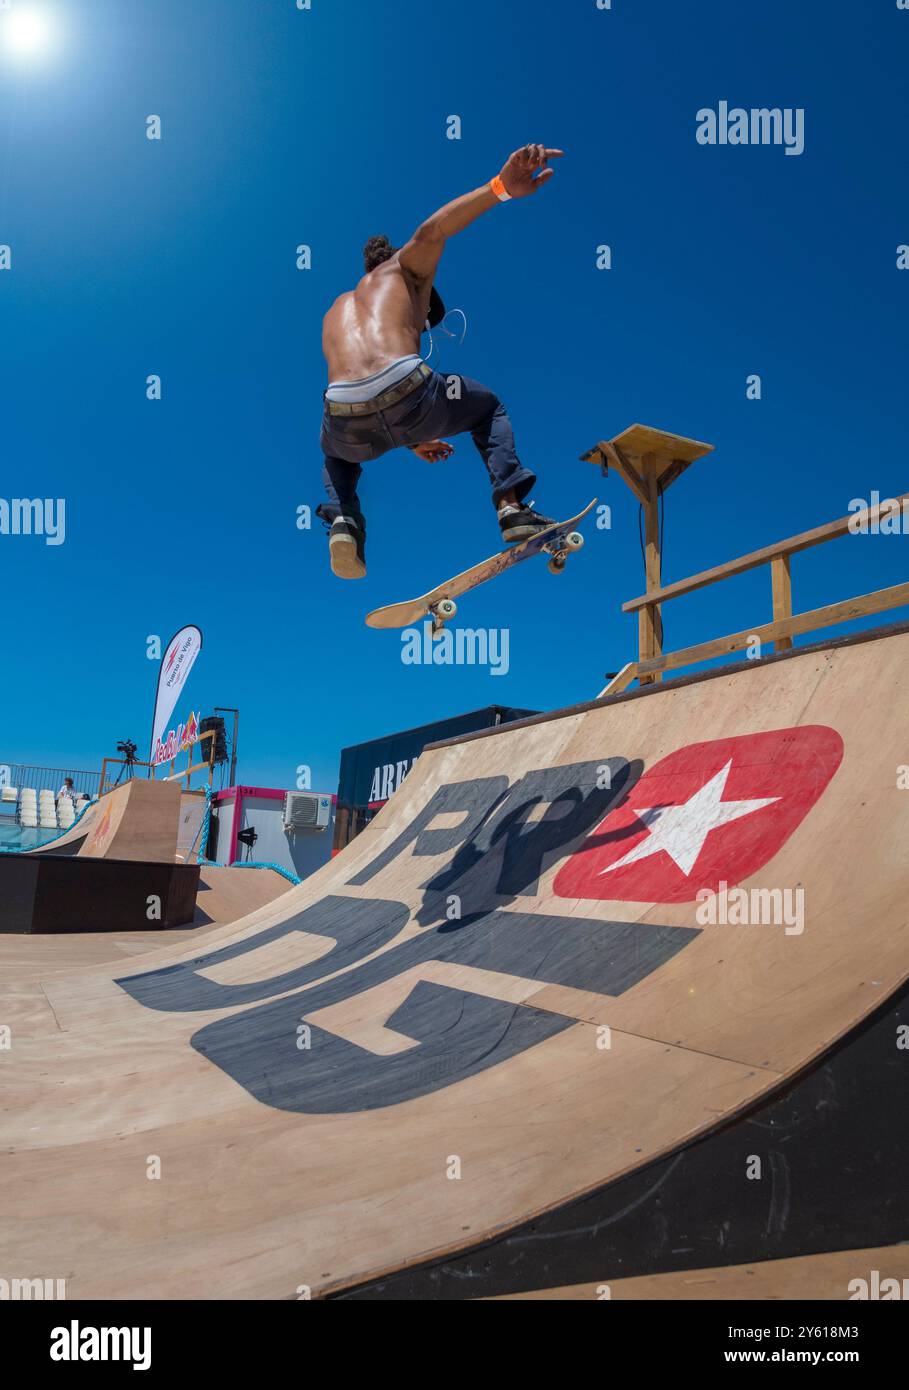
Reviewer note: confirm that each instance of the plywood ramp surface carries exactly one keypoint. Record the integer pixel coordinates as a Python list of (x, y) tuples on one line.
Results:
[(228, 893), (842, 1274), (138, 820), (498, 998)]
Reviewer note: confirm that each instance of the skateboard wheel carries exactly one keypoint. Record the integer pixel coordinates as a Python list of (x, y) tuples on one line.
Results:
[(556, 565), (446, 608), (437, 629), (574, 540)]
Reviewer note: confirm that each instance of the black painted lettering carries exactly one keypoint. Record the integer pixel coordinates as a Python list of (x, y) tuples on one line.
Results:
[(475, 799), (459, 1033), (358, 926)]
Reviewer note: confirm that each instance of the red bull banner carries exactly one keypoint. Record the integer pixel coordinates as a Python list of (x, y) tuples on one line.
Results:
[(176, 664), (178, 740)]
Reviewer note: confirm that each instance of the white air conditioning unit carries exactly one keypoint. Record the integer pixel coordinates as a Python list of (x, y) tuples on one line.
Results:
[(306, 811)]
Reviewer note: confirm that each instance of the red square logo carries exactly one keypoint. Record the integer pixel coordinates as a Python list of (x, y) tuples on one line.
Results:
[(709, 812)]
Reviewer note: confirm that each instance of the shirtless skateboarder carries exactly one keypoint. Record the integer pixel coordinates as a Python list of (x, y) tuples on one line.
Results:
[(382, 395)]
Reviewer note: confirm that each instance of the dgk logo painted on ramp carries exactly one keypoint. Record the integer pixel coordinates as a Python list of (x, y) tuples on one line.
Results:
[(709, 812)]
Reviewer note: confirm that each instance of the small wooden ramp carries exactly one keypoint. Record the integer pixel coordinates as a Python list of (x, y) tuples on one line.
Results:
[(137, 820), (500, 1002), (224, 895), (155, 822)]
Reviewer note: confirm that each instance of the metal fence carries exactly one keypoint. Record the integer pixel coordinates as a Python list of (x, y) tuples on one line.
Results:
[(47, 778)]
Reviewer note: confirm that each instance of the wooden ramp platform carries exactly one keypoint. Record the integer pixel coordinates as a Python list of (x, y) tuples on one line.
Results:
[(224, 895), (137, 820), (428, 1070)]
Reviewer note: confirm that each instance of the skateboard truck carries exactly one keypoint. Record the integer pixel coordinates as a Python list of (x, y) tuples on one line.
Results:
[(440, 613), (559, 551)]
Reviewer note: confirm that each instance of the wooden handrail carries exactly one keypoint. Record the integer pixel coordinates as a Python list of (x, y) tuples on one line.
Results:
[(803, 541), (845, 611)]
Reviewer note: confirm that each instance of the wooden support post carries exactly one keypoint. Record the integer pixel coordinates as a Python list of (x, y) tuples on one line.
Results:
[(650, 625), (781, 580), (648, 461)]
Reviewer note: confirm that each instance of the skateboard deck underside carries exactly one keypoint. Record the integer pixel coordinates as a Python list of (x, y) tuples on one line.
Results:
[(412, 610)]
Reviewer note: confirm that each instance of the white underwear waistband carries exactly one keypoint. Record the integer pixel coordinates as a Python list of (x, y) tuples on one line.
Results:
[(367, 387)]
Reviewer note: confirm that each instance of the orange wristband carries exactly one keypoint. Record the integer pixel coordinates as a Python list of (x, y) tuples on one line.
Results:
[(499, 189)]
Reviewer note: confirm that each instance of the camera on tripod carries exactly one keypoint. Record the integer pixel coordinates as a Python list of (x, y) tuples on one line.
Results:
[(129, 751)]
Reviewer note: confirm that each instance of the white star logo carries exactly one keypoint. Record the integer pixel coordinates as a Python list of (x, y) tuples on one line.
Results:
[(680, 831)]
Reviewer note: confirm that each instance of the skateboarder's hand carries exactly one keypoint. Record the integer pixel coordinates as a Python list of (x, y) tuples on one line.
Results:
[(525, 171), (434, 450)]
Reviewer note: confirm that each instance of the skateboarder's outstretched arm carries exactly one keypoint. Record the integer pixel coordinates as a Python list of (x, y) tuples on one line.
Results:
[(523, 172)]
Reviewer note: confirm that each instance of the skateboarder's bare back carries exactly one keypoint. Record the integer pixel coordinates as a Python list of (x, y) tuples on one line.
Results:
[(376, 323), (382, 395)]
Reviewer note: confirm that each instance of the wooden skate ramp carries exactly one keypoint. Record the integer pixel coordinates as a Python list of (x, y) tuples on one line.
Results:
[(137, 820), (223, 896), (500, 1003)]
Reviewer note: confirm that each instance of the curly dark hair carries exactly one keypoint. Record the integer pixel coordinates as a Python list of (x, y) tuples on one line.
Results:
[(377, 250)]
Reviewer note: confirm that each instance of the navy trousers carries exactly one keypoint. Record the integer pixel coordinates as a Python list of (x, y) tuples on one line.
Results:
[(441, 405)]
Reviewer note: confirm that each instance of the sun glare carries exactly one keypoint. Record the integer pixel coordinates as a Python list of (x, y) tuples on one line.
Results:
[(24, 33)]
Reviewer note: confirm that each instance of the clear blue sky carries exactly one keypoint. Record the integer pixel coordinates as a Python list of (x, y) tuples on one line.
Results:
[(283, 127)]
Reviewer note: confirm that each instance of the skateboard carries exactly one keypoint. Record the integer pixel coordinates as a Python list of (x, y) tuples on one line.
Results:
[(557, 541)]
